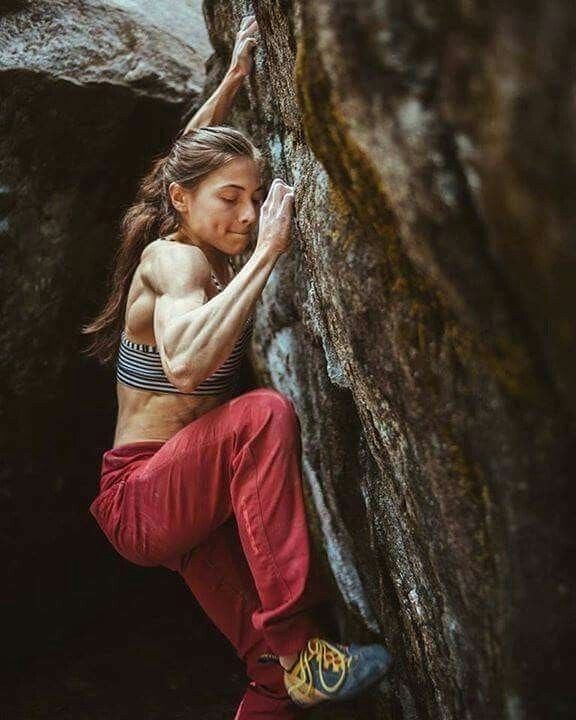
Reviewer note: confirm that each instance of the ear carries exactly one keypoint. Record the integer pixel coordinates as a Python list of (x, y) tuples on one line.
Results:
[(176, 192)]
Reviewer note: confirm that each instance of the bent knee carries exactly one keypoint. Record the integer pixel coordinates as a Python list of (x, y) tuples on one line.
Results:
[(273, 401)]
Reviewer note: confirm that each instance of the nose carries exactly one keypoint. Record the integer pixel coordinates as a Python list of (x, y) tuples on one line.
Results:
[(247, 214)]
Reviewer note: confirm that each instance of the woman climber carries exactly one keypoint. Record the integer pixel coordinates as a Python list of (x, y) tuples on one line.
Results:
[(201, 479)]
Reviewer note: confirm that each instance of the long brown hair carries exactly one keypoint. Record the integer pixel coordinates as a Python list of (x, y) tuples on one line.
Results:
[(192, 157)]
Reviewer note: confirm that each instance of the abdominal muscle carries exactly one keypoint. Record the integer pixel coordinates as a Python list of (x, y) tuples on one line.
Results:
[(144, 415)]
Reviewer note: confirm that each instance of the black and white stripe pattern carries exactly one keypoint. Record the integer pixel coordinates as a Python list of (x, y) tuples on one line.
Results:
[(139, 365)]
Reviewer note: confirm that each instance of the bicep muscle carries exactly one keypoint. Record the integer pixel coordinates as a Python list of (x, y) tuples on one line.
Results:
[(179, 279)]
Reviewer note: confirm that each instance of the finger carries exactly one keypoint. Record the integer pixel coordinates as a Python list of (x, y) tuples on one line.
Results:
[(244, 34), (287, 204), (246, 29), (277, 181), (277, 190), (246, 46), (271, 189), (279, 198), (247, 20), (270, 197)]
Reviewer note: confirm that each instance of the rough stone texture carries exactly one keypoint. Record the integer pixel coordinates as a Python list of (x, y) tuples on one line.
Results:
[(423, 323), (89, 91)]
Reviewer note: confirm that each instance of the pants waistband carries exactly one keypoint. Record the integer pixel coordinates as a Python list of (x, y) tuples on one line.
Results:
[(116, 459)]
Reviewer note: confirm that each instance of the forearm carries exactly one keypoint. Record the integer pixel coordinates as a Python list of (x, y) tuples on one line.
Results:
[(200, 340), (217, 108)]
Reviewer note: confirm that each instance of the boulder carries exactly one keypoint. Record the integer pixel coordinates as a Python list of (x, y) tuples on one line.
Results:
[(423, 324)]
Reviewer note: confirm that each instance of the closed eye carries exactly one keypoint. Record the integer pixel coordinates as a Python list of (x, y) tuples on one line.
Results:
[(256, 200)]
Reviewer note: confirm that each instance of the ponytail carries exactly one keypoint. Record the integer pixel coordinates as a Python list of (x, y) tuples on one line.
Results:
[(144, 221)]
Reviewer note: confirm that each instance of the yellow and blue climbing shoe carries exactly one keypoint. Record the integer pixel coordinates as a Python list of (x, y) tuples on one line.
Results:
[(331, 671)]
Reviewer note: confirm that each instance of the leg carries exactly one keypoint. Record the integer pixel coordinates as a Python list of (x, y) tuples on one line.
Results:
[(243, 459), (219, 577)]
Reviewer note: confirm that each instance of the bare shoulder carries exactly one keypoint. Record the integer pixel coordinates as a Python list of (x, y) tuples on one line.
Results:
[(174, 268)]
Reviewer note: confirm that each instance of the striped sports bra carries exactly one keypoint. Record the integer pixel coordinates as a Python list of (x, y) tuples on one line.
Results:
[(139, 365)]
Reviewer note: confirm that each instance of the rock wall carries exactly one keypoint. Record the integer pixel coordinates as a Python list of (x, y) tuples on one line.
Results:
[(423, 324)]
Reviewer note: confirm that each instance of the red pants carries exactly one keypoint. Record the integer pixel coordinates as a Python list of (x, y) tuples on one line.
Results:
[(221, 502)]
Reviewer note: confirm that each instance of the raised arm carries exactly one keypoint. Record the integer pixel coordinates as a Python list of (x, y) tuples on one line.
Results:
[(216, 109)]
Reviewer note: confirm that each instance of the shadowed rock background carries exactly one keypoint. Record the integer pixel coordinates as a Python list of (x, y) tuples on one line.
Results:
[(423, 321), (89, 91)]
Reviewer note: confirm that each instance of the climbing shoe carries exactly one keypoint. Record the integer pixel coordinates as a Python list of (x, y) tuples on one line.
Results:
[(332, 671)]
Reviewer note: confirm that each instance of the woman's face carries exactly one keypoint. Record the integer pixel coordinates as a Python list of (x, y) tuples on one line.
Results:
[(224, 209)]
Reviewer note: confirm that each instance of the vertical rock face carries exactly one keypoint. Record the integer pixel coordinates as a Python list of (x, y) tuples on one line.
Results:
[(423, 323), (88, 92)]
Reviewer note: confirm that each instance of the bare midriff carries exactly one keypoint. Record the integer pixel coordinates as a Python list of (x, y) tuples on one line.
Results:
[(144, 415)]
